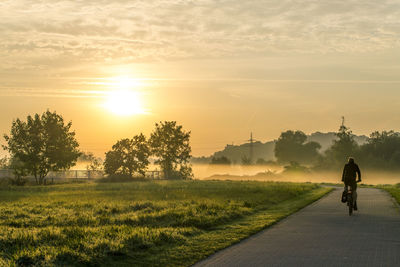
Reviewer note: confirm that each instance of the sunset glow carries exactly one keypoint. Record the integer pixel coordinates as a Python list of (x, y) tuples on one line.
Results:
[(124, 103), (236, 68)]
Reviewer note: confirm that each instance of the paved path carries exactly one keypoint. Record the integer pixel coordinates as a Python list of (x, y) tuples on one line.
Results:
[(323, 234)]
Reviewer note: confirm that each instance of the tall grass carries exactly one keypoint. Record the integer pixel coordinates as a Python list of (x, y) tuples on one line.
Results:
[(138, 223)]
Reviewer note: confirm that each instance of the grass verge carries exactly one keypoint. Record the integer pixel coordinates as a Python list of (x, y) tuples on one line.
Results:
[(159, 223), (394, 190)]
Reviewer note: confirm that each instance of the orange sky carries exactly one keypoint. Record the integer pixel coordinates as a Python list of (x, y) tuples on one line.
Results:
[(220, 68)]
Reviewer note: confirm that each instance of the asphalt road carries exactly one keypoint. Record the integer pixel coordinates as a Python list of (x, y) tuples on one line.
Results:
[(323, 234)]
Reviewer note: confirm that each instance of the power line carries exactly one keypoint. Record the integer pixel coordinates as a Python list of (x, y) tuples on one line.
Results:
[(251, 140)]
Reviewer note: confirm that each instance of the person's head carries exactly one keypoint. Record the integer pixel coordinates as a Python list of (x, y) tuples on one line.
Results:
[(351, 160)]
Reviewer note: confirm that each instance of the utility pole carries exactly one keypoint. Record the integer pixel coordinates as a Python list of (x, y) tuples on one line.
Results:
[(251, 140)]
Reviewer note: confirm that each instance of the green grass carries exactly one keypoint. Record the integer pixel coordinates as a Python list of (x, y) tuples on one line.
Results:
[(394, 190), (160, 223)]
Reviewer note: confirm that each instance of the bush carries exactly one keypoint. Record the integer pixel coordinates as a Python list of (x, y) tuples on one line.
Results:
[(295, 167), (19, 181)]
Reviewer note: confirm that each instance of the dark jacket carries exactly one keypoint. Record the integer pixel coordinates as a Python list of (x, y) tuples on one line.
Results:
[(350, 172)]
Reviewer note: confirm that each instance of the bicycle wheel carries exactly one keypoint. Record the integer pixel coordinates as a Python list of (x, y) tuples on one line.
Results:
[(350, 202)]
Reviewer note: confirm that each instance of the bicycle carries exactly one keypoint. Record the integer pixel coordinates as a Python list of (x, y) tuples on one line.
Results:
[(350, 198), (350, 201)]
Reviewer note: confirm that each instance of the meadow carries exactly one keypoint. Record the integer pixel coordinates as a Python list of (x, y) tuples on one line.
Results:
[(147, 223)]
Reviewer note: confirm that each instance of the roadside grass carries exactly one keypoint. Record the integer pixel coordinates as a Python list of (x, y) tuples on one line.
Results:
[(156, 223), (394, 190)]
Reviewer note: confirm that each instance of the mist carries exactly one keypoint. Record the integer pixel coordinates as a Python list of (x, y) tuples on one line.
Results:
[(277, 173)]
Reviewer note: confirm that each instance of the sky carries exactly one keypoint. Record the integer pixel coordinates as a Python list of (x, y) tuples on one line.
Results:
[(220, 68)]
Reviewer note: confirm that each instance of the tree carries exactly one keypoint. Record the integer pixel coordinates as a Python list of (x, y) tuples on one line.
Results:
[(19, 170), (343, 147), (4, 163), (246, 161), (292, 146), (93, 163), (42, 143), (170, 144), (382, 150), (128, 156), (220, 161)]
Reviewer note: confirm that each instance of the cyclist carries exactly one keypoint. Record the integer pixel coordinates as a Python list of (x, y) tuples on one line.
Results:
[(350, 172)]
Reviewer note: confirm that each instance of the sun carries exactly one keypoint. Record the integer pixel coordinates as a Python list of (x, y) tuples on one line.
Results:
[(123, 99)]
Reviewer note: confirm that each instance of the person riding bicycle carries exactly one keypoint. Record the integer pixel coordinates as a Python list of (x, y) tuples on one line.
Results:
[(350, 172)]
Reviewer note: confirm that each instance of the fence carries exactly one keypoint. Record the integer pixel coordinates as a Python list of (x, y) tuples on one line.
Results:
[(78, 175)]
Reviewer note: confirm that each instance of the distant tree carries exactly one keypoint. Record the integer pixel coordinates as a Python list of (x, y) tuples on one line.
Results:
[(4, 163), (19, 171), (261, 161), (292, 146), (93, 163), (382, 150), (171, 145), (42, 143), (343, 147), (220, 161), (295, 167), (201, 160), (128, 156), (246, 160)]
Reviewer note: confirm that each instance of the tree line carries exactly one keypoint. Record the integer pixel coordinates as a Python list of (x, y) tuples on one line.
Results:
[(45, 143), (381, 151)]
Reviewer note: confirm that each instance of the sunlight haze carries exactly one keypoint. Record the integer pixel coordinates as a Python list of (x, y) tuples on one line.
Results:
[(222, 69)]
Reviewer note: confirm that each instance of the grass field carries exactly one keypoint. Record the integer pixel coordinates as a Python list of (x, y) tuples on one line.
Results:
[(160, 223), (394, 190)]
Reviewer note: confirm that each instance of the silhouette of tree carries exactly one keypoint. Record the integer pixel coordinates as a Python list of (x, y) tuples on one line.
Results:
[(246, 161), (43, 143), (170, 144), (382, 150), (220, 161), (343, 147), (292, 146), (94, 163), (128, 156), (295, 167)]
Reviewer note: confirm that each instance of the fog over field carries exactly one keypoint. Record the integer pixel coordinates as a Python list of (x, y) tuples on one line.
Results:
[(276, 173)]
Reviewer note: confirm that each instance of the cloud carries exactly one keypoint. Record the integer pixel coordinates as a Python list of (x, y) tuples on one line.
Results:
[(51, 34)]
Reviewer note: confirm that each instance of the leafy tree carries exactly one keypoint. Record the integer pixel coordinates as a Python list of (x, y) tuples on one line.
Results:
[(343, 147), (128, 156), (170, 144), (292, 146), (113, 162), (19, 170), (93, 163), (220, 161), (4, 163), (382, 150), (42, 143)]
